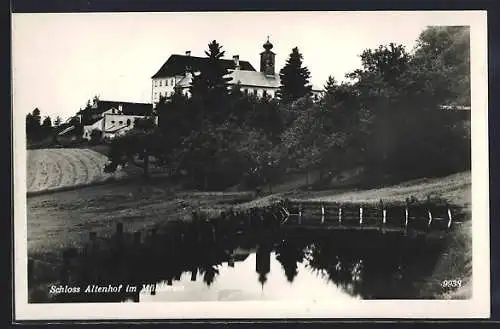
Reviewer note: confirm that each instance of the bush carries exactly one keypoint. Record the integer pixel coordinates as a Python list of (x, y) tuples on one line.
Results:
[(95, 137)]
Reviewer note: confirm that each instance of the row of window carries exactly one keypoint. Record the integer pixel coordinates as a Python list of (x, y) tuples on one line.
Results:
[(121, 122), (165, 94), (167, 82), (262, 92), (246, 91)]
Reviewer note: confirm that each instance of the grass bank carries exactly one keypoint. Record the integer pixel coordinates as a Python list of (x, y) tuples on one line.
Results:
[(64, 219)]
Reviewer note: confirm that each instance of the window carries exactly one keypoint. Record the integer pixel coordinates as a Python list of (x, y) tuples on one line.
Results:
[(245, 91), (128, 122), (120, 122), (113, 122), (264, 93)]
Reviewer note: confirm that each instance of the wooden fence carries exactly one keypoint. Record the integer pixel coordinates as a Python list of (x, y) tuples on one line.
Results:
[(419, 216)]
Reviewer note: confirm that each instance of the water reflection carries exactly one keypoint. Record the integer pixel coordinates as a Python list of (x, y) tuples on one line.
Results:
[(200, 263)]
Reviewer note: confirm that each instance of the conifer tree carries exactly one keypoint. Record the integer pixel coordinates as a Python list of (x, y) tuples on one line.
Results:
[(210, 88), (331, 84), (294, 78), (47, 122)]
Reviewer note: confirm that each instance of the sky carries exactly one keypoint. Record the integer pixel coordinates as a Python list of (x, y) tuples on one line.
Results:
[(62, 60)]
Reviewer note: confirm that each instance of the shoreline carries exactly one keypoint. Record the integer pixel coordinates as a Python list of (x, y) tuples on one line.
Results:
[(129, 203)]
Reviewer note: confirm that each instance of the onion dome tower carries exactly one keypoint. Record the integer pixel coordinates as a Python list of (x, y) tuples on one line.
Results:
[(267, 59)]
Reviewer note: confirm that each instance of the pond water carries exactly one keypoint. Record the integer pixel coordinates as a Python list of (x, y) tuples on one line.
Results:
[(207, 263), (248, 280), (301, 266)]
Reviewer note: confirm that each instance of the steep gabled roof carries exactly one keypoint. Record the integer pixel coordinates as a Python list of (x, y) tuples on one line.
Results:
[(246, 78), (128, 108), (176, 65), (249, 78)]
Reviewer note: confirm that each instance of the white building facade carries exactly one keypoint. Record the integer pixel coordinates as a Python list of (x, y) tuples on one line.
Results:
[(115, 118), (177, 71)]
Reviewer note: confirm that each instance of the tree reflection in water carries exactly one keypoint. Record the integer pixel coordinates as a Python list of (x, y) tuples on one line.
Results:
[(288, 254), (370, 266), (376, 268), (263, 261), (209, 274)]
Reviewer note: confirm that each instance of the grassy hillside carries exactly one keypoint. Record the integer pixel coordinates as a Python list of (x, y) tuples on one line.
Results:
[(52, 169)]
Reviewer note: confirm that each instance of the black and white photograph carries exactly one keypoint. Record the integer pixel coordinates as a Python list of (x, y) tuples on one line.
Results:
[(184, 165)]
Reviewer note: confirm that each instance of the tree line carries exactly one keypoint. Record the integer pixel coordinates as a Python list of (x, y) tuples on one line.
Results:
[(38, 129), (385, 118)]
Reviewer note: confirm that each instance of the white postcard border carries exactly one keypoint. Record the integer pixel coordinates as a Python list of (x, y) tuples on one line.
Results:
[(476, 307)]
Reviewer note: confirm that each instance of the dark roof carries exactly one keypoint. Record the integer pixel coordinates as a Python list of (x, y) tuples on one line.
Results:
[(176, 65), (127, 107)]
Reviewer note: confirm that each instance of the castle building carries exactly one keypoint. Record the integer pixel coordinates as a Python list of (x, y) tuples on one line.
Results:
[(176, 71)]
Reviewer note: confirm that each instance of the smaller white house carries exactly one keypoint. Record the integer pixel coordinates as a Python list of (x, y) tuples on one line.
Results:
[(116, 118)]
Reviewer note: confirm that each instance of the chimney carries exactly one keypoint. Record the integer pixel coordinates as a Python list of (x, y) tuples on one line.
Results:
[(236, 59), (188, 52)]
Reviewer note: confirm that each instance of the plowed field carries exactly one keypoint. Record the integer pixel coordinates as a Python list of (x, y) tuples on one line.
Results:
[(52, 169)]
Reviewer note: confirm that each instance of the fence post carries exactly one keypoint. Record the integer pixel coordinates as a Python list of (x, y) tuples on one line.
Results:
[(322, 214), (340, 214), (450, 219), (65, 268), (384, 212), (214, 237), (360, 215), (194, 216), (429, 211), (300, 214), (137, 239), (119, 234), (154, 230), (246, 218), (406, 213), (93, 241)]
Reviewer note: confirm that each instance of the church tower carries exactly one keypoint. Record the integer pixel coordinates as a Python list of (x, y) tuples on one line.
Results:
[(267, 59)]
